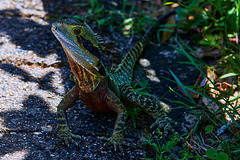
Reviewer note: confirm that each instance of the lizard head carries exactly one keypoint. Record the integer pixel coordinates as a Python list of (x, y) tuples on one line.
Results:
[(82, 47), (83, 50)]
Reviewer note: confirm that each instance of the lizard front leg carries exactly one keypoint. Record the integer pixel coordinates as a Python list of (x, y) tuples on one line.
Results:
[(117, 138), (63, 130)]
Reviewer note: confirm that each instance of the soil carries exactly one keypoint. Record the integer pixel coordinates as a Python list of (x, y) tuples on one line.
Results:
[(34, 77)]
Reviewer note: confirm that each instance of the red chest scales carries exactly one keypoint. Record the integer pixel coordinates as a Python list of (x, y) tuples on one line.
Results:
[(96, 100)]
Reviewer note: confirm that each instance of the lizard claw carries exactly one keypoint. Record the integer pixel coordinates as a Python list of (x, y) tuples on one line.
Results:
[(167, 124), (117, 142), (67, 137), (164, 123)]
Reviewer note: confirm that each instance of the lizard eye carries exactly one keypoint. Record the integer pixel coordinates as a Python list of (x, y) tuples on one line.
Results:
[(76, 31)]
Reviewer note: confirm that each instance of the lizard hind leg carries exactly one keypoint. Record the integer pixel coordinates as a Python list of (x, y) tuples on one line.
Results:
[(117, 138), (150, 104)]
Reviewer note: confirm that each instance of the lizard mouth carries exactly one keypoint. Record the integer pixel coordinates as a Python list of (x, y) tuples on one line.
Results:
[(64, 39)]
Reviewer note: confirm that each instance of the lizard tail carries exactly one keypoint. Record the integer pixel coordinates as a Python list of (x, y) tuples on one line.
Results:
[(123, 73)]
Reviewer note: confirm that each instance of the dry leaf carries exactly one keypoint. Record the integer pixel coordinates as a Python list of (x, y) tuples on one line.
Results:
[(167, 34), (212, 106), (213, 52)]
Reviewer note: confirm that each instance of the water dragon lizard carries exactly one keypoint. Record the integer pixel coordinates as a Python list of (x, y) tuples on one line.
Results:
[(100, 89)]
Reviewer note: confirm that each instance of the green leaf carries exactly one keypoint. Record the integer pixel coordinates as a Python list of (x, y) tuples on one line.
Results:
[(79, 17), (134, 123), (228, 75), (143, 83), (155, 146), (129, 20), (101, 22), (181, 85), (169, 3), (80, 4), (209, 128), (211, 153), (222, 156)]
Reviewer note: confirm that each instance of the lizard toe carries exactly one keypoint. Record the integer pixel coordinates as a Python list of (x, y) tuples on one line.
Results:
[(67, 138), (117, 143), (163, 123), (76, 136)]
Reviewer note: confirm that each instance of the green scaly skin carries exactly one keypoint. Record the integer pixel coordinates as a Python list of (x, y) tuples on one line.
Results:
[(100, 89)]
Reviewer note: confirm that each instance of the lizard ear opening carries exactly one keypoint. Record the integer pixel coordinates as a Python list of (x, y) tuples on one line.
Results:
[(102, 69)]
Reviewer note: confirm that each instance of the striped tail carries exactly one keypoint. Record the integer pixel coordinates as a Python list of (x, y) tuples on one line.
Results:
[(124, 72)]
